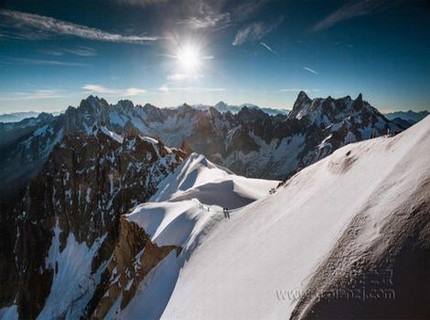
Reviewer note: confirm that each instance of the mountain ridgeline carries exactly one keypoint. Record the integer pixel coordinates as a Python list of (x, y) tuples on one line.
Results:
[(250, 143)]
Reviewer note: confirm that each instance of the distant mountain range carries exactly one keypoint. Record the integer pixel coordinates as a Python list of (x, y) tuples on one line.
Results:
[(224, 107), (220, 106), (19, 116), (250, 142), (410, 116), (405, 117)]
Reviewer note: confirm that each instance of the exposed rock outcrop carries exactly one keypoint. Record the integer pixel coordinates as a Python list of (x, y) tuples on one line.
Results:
[(73, 206), (134, 256)]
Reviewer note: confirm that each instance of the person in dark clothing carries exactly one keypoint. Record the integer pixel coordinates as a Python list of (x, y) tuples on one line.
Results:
[(227, 213)]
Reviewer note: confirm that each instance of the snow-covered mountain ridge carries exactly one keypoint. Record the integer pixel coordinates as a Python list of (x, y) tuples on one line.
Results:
[(362, 209)]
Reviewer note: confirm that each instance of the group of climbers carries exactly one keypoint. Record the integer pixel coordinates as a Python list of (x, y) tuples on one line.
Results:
[(226, 211)]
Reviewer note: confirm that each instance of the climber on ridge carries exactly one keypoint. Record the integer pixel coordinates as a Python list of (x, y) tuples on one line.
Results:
[(226, 213)]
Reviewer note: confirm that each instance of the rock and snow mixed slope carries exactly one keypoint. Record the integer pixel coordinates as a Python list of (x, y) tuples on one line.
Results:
[(58, 239), (368, 200)]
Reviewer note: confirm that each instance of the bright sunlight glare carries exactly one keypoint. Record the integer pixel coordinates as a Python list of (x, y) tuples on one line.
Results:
[(189, 58)]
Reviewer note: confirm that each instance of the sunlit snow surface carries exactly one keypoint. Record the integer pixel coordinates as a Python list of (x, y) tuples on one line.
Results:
[(231, 269)]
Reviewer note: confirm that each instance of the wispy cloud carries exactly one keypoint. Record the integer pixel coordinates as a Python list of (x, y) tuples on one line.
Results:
[(176, 77), (247, 9), (203, 14), (41, 62), (218, 15), (310, 70), (33, 95), (210, 21), (183, 76), (269, 48), (255, 31), (350, 10), (28, 23), (80, 51), (165, 88), (98, 89)]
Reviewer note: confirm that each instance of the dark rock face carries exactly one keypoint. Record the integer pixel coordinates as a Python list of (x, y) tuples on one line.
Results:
[(83, 188)]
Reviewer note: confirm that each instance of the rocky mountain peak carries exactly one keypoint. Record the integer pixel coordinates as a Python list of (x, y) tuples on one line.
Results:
[(213, 112), (93, 105), (302, 102), (358, 103), (44, 116), (126, 104), (221, 106), (251, 114), (303, 96)]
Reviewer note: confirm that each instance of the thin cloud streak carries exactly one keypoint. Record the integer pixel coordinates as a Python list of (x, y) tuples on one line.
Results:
[(217, 15), (184, 76), (255, 31), (177, 77), (215, 22), (25, 21), (78, 51), (41, 62), (298, 90), (81, 51), (269, 48), (98, 89), (33, 95), (165, 88), (351, 10), (310, 70), (248, 9)]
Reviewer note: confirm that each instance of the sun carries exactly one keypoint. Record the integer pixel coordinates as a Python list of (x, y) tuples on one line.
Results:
[(189, 58)]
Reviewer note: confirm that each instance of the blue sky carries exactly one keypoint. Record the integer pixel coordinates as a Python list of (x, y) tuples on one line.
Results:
[(167, 52)]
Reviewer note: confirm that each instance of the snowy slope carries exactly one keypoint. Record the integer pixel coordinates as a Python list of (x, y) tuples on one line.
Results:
[(192, 198), (235, 269)]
